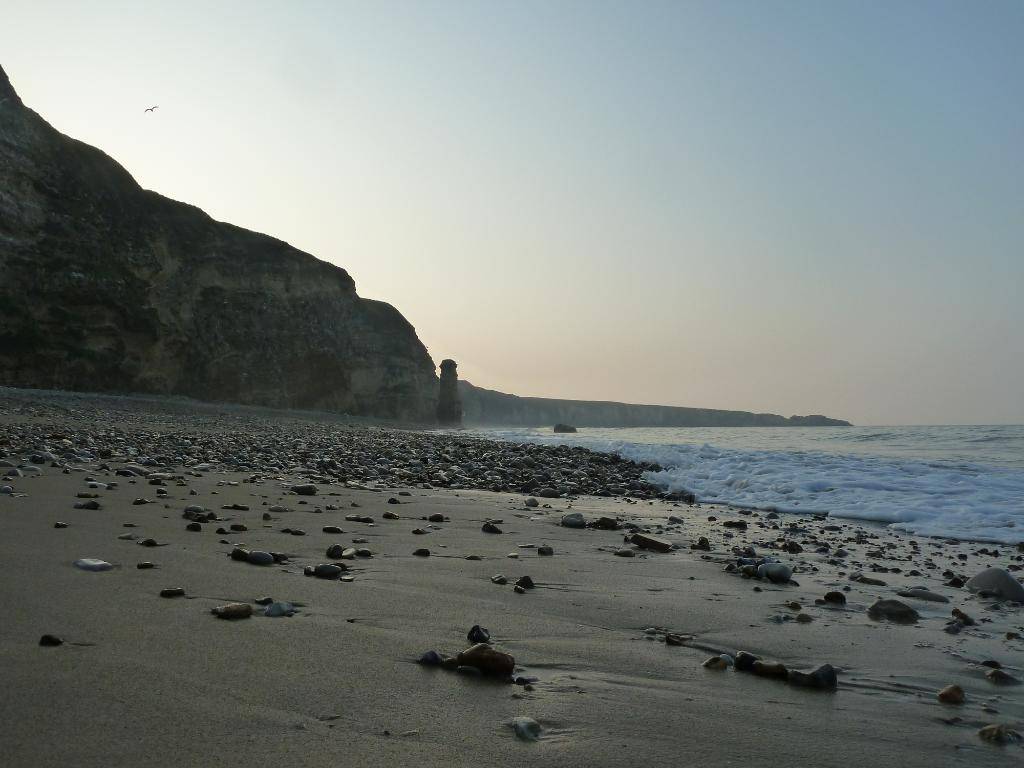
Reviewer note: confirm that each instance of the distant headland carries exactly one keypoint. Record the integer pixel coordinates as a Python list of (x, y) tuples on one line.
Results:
[(485, 406)]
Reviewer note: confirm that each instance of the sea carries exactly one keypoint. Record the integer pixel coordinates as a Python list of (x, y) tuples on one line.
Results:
[(962, 482)]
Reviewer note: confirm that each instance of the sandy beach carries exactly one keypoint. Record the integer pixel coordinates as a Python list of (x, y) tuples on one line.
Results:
[(145, 679)]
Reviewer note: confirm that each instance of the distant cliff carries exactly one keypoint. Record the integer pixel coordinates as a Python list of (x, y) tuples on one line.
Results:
[(487, 407), (105, 286)]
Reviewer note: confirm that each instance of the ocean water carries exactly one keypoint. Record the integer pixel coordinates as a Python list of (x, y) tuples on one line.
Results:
[(964, 482)]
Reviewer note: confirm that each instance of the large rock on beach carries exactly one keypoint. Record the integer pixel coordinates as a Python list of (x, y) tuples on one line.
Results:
[(997, 582)]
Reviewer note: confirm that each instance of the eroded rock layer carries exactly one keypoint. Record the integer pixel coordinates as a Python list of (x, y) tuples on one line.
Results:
[(105, 286)]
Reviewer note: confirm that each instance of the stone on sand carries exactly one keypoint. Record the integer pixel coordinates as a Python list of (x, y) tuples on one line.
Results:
[(232, 611), (997, 582), (488, 660), (823, 678), (999, 733), (893, 610), (526, 728), (654, 543), (921, 593), (92, 564), (777, 573), (951, 694)]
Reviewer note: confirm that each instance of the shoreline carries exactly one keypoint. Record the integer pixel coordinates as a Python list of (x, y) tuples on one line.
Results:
[(208, 415), (609, 645)]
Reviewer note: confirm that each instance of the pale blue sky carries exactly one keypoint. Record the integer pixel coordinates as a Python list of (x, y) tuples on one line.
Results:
[(777, 206)]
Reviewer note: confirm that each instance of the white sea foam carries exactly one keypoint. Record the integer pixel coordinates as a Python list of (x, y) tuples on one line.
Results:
[(931, 498)]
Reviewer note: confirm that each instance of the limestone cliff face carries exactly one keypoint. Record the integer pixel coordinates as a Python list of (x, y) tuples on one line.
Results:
[(105, 286), (485, 406)]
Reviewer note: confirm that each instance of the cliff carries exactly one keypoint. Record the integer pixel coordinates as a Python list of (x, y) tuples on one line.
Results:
[(105, 286), (485, 406)]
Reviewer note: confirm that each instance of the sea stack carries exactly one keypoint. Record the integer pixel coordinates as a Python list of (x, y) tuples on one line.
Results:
[(449, 407)]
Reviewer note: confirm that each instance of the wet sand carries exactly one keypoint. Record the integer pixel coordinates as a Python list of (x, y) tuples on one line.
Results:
[(142, 679)]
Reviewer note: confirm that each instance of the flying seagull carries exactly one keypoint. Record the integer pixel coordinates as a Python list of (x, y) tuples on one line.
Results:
[(153, 107)]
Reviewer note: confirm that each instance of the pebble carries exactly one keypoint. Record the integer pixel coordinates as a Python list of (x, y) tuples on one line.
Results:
[(545, 551), (836, 598), (893, 610), (1000, 677), (359, 518), (232, 611), (325, 570), (60, 524), (998, 733), (532, 502), (490, 527), (422, 552), (332, 529), (305, 489), (951, 694), (769, 669), (50, 641), (335, 551), (526, 728), (625, 552), (145, 565), (499, 579), (173, 592), (745, 661), (715, 662), (654, 543), (921, 593), (777, 573), (478, 634), (431, 659), (823, 678), (573, 520), (92, 564), (275, 610), (488, 660), (257, 557), (962, 617)]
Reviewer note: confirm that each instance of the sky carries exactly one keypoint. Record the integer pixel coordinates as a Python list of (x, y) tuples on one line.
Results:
[(787, 207)]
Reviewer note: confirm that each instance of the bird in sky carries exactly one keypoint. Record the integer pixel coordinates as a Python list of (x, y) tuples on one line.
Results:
[(150, 109)]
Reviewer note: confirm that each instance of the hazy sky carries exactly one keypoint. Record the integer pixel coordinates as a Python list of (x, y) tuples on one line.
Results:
[(796, 207)]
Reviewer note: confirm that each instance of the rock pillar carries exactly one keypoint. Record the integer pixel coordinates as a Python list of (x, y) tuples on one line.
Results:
[(449, 407)]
